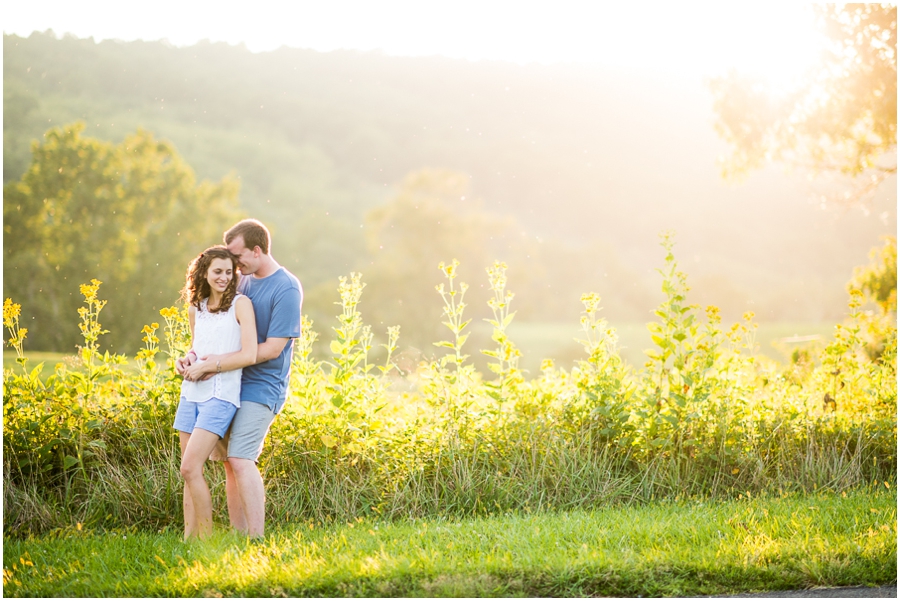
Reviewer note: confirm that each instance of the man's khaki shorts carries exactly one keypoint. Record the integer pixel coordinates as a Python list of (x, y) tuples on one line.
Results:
[(247, 433)]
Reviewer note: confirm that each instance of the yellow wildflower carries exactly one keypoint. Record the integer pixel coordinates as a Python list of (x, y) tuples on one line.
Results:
[(11, 312)]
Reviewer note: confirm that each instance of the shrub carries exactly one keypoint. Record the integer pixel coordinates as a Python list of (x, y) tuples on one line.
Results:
[(92, 441)]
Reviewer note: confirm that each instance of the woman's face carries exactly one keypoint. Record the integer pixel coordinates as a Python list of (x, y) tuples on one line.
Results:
[(220, 273)]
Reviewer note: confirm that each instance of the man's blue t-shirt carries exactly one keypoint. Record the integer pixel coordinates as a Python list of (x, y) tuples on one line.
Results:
[(276, 302)]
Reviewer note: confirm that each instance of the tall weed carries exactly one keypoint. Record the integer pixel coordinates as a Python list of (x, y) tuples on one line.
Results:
[(91, 442)]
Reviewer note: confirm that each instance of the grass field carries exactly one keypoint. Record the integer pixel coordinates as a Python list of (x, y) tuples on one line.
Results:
[(673, 548), (51, 359), (35, 357), (557, 341)]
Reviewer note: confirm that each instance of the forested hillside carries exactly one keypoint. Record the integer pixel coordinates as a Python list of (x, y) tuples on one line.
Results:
[(387, 165)]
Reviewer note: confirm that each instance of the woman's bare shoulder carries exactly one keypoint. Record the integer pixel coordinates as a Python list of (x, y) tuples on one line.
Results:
[(242, 300)]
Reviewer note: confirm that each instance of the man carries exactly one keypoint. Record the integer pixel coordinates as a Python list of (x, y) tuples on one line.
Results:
[(277, 297)]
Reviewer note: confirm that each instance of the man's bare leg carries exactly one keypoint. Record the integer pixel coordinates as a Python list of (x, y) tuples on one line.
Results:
[(196, 450), (252, 493), (235, 506)]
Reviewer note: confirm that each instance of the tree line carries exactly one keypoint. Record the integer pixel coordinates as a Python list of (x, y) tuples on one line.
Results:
[(386, 164), (133, 214)]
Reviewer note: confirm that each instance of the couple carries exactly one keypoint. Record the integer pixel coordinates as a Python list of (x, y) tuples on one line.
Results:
[(236, 373)]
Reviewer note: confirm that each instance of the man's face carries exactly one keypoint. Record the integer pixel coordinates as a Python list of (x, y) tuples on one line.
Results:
[(248, 259)]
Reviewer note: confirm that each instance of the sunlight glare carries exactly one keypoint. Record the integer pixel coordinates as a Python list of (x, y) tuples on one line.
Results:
[(777, 50), (683, 39)]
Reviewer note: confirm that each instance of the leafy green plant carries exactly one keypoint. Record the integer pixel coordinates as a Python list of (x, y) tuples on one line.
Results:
[(505, 355), (707, 416), (675, 370), (605, 388), (449, 382)]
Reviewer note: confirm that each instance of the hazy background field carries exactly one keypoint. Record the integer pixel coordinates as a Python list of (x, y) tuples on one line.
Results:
[(558, 341), (566, 172)]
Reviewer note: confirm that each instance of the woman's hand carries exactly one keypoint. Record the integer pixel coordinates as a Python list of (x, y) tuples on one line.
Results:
[(201, 369), (183, 363)]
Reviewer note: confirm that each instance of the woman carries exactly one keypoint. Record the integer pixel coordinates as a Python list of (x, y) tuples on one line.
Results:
[(223, 333)]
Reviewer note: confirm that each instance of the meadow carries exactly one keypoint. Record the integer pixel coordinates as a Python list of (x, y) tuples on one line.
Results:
[(88, 443), (537, 341), (558, 341)]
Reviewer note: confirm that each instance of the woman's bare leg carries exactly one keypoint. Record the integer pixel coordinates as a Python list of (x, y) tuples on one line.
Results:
[(188, 505), (195, 451)]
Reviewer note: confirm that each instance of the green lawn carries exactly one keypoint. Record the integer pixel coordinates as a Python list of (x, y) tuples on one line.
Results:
[(683, 548)]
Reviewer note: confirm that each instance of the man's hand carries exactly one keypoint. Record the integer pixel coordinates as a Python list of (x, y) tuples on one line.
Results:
[(182, 364)]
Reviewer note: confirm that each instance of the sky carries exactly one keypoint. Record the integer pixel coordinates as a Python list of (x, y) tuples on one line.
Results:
[(694, 39)]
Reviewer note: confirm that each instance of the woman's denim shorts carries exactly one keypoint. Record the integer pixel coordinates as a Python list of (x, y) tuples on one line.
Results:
[(214, 416)]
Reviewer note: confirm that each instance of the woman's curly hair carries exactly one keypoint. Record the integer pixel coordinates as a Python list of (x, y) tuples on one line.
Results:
[(196, 287)]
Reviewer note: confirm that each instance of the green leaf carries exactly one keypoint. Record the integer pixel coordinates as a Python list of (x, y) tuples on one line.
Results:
[(46, 448), (36, 372), (69, 461)]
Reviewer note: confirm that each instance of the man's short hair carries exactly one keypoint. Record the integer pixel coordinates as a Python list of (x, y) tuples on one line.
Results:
[(253, 232)]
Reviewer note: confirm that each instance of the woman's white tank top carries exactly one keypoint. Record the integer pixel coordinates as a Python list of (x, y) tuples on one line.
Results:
[(216, 334)]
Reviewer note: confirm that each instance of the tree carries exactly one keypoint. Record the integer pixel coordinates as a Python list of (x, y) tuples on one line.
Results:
[(878, 279), (431, 219), (130, 215), (840, 119), (877, 283)]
